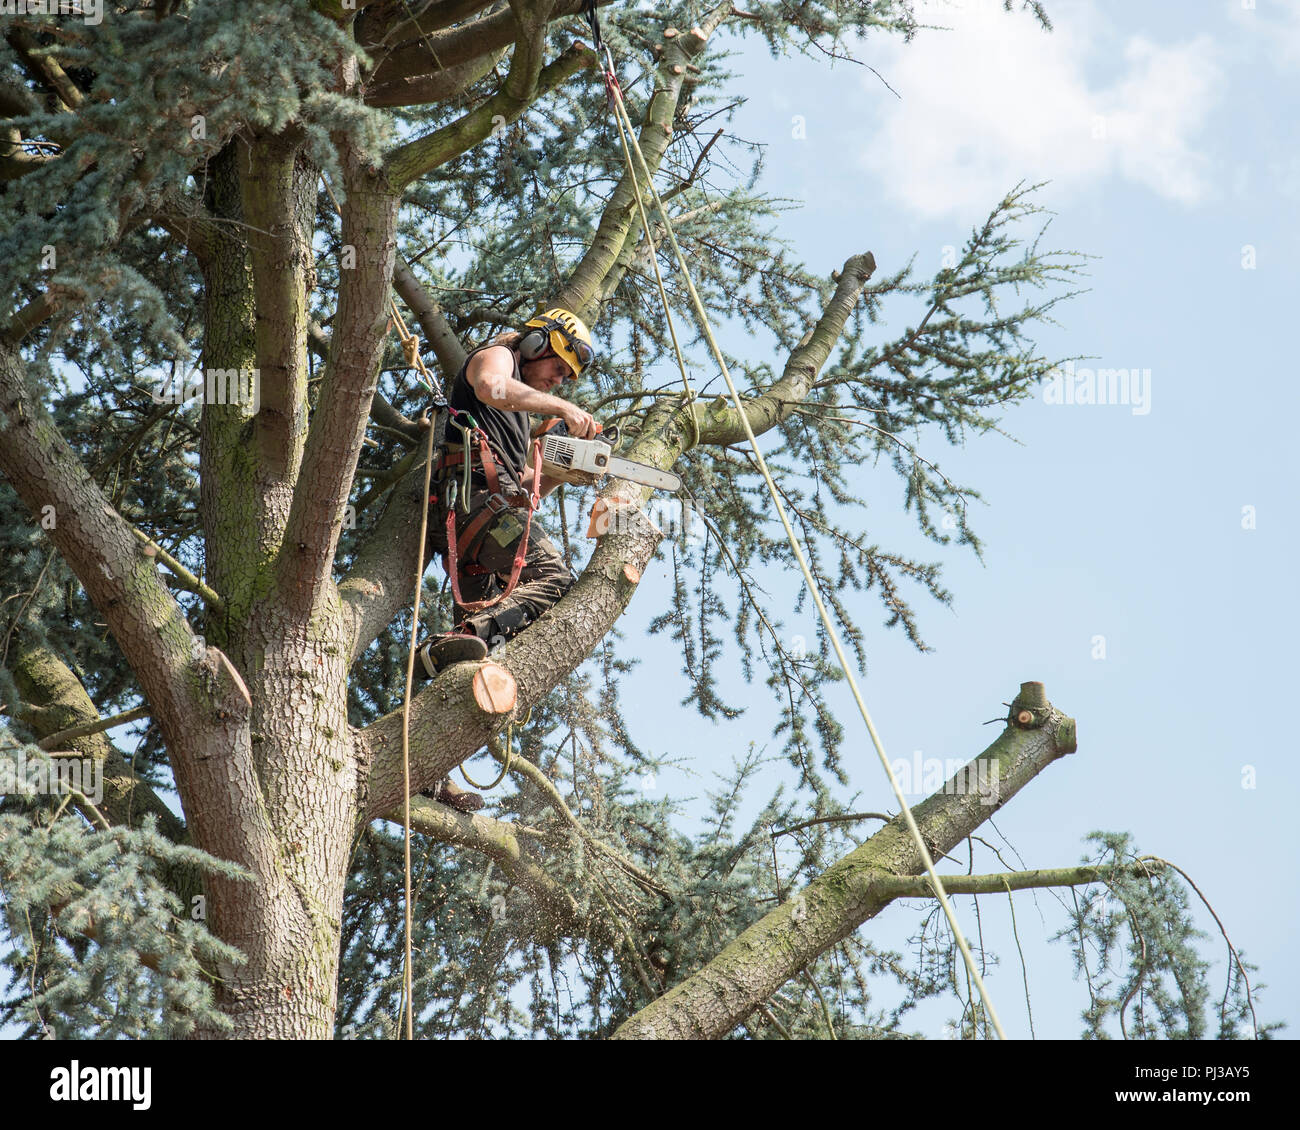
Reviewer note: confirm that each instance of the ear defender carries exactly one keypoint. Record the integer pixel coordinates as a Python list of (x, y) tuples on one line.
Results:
[(533, 344), (565, 334)]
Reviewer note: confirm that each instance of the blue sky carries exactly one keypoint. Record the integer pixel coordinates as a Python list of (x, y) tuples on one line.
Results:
[(1163, 130)]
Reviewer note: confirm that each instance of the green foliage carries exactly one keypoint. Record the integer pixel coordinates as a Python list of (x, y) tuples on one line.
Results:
[(1136, 946), (147, 973), (131, 151)]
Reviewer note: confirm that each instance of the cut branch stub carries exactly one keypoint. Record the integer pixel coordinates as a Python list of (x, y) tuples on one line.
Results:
[(1030, 707), (495, 689), (1032, 694)]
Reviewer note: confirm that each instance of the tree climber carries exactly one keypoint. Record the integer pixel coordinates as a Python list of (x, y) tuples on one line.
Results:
[(499, 385)]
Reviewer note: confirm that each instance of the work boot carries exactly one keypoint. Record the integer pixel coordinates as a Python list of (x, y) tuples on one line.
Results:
[(450, 647), (506, 625), (454, 797)]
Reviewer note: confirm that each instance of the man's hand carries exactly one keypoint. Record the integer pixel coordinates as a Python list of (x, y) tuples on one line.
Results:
[(581, 425)]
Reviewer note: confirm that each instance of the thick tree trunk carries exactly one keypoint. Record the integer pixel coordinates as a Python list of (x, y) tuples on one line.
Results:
[(272, 491), (287, 921)]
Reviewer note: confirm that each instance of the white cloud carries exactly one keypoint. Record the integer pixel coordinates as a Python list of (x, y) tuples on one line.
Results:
[(997, 100)]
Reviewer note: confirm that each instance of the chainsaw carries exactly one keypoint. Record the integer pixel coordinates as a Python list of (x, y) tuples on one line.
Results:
[(568, 459)]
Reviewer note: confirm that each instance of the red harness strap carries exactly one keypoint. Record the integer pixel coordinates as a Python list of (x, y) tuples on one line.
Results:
[(485, 459), (455, 548)]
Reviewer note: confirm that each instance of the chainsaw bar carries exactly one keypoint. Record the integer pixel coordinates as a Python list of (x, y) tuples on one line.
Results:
[(646, 476), (584, 460)]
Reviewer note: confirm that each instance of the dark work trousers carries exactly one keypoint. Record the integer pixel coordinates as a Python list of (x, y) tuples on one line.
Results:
[(543, 579)]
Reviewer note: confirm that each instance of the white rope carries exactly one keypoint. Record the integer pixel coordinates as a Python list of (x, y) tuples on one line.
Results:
[(625, 123)]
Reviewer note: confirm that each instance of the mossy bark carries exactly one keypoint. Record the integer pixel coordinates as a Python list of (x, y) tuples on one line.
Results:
[(711, 1002)]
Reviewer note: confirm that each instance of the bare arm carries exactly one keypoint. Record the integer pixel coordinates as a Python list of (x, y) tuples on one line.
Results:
[(491, 375)]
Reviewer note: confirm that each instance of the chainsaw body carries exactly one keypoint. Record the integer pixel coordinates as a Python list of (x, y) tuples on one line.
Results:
[(570, 460)]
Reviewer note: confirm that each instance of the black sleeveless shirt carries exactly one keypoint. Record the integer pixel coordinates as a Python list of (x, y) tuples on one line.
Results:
[(508, 431)]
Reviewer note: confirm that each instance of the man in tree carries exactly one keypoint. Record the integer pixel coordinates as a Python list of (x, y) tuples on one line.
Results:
[(499, 385)]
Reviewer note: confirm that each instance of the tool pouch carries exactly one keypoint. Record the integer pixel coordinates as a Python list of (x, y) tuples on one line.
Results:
[(506, 530)]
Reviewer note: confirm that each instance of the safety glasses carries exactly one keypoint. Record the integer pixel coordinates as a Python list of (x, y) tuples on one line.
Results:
[(581, 350)]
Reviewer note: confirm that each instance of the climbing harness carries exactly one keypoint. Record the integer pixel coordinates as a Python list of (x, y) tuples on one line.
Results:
[(627, 133), (471, 539), (462, 549)]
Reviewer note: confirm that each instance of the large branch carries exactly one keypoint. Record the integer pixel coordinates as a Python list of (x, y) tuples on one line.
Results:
[(438, 87), (639, 248), (527, 81), (619, 222), (243, 523), (422, 59), (28, 318), (44, 69), (277, 190), (15, 163), (190, 224), (383, 574), (347, 391), (194, 693), (98, 545), (711, 1002), (396, 25), (720, 423), (557, 910), (440, 51), (437, 331), (53, 701)]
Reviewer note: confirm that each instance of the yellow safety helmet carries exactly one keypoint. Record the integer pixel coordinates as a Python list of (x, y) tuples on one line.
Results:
[(563, 332)]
